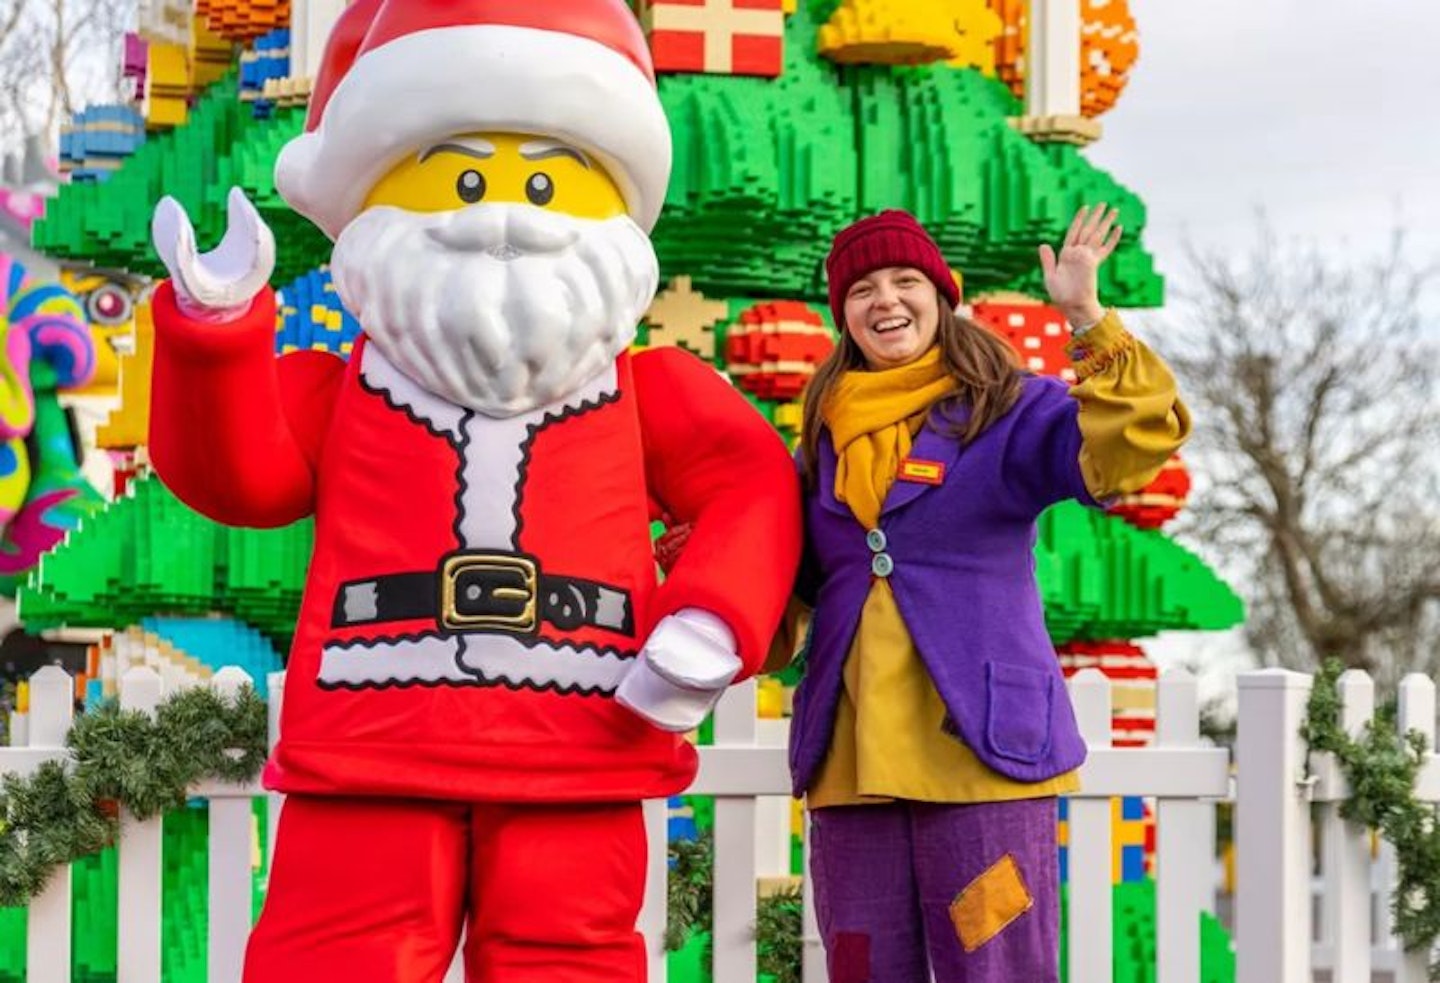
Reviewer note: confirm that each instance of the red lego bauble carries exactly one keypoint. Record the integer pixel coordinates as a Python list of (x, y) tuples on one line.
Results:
[(1035, 330), (775, 348), (1158, 502), (1132, 685)]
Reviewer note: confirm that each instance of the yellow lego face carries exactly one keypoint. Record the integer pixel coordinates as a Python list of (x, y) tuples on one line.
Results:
[(110, 309), (482, 168)]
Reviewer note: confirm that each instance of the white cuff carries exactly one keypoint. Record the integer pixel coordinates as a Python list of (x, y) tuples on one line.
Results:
[(196, 311), (681, 672)]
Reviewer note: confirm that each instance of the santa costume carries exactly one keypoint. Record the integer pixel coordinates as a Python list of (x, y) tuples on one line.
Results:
[(482, 583)]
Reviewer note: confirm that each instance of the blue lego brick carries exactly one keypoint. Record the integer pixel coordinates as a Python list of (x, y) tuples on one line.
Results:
[(220, 642), (312, 318), (1132, 863)]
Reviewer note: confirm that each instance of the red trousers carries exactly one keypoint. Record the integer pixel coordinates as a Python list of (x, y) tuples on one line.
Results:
[(376, 891)]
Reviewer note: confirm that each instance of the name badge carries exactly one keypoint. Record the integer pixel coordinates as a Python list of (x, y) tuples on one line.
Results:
[(923, 472)]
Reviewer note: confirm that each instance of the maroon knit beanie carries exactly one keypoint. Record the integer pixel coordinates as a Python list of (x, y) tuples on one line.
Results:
[(892, 238)]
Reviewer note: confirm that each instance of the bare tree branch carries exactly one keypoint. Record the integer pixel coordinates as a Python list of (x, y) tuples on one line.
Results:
[(56, 57), (1316, 388)]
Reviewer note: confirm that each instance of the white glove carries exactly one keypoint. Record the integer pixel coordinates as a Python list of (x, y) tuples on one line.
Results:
[(678, 677), (220, 285)]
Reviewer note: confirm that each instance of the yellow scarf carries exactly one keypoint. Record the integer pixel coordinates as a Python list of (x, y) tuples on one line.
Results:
[(873, 417)]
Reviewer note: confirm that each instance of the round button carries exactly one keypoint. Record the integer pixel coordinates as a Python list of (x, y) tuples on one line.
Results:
[(875, 539), (881, 565)]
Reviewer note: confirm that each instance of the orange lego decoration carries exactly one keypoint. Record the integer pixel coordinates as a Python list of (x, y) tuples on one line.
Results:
[(242, 20), (1109, 48)]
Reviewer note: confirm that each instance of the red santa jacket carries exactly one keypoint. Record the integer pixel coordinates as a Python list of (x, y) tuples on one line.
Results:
[(478, 586)]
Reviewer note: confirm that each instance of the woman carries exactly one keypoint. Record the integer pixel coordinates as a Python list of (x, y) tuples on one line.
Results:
[(932, 731)]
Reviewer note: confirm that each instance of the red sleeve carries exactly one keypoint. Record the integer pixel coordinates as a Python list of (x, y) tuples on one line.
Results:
[(711, 460), (234, 431)]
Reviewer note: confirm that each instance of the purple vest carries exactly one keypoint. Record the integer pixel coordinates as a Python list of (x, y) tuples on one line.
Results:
[(960, 559)]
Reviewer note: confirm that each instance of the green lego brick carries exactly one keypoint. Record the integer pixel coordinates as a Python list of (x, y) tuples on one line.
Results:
[(1217, 951), (1133, 938), (220, 145), (765, 172), (147, 552), (1102, 578), (184, 906)]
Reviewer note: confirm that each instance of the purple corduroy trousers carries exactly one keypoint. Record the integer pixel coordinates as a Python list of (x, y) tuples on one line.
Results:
[(887, 875)]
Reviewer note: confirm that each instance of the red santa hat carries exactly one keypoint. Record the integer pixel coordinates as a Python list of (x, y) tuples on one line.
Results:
[(400, 75)]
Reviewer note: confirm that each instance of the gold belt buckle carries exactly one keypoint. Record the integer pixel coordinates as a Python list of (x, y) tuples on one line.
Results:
[(519, 581)]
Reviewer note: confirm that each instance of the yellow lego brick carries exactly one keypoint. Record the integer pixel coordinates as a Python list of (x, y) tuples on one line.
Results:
[(770, 699), (167, 66), (165, 113), (788, 416), (129, 424), (912, 32)]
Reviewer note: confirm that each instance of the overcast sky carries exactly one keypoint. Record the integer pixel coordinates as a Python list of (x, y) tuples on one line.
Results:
[(1324, 113)]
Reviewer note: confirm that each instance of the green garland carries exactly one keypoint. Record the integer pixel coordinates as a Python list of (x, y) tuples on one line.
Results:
[(690, 894), (70, 808), (1381, 767)]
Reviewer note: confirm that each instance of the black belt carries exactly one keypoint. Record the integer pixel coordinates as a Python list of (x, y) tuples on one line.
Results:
[(484, 591)]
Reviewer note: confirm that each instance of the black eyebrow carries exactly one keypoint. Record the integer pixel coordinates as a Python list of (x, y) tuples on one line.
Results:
[(549, 152), (456, 148)]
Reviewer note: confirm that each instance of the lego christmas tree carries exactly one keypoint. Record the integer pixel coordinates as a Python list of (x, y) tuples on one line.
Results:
[(790, 120)]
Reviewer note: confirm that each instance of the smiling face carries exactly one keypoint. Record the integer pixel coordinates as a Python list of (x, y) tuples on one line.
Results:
[(893, 315)]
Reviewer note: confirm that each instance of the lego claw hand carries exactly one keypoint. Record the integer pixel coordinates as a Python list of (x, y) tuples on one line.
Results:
[(681, 672), (220, 285)]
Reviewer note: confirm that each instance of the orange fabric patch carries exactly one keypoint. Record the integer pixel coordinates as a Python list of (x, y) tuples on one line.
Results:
[(989, 903)]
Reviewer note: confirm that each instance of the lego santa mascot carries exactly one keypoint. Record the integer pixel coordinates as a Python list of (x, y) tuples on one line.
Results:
[(485, 678)]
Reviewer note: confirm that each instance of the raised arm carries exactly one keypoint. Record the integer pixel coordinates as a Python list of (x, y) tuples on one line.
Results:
[(234, 432), (1131, 418)]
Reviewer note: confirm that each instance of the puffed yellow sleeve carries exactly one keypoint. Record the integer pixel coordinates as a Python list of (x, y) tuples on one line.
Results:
[(1131, 417)]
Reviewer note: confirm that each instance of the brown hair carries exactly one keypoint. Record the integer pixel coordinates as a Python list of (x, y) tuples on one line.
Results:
[(985, 367)]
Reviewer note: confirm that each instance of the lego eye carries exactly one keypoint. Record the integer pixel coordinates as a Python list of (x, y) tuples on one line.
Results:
[(540, 189), (108, 305), (470, 186)]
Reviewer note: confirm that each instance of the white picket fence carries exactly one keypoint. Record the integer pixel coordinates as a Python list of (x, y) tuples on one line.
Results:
[(747, 774)]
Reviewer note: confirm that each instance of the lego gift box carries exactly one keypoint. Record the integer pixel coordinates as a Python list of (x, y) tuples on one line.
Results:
[(719, 37)]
